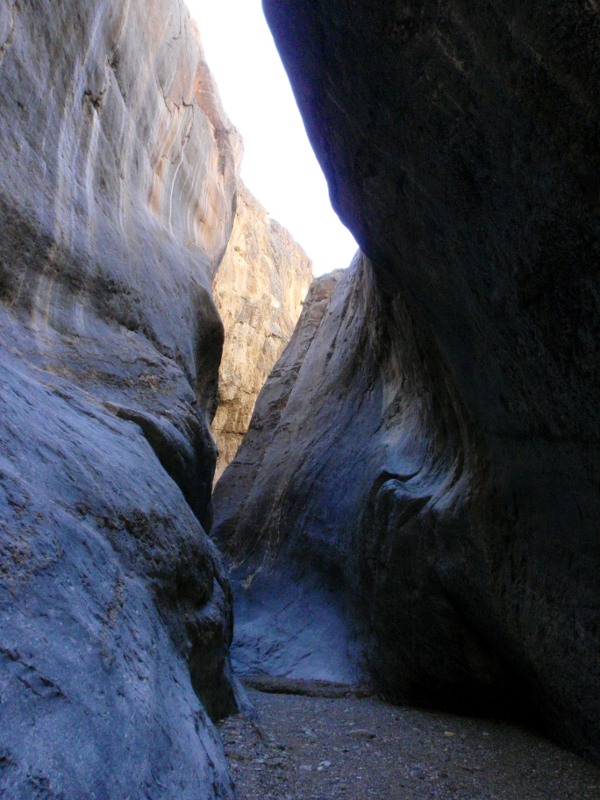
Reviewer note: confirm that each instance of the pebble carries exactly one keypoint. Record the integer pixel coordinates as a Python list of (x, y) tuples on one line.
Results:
[(362, 733), (418, 772)]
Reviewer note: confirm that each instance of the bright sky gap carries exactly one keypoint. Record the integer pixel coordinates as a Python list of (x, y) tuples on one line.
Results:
[(279, 166)]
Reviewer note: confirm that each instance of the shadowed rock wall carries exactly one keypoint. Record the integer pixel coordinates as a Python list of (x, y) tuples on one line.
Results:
[(286, 624), (117, 183), (259, 288), (460, 492)]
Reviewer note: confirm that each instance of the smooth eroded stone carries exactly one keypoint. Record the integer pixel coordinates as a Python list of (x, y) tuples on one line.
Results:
[(117, 183), (449, 470)]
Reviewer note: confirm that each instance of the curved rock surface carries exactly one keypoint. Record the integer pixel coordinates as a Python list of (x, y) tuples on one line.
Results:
[(452, 476), (117, 184), (285, 624), (259, 289)]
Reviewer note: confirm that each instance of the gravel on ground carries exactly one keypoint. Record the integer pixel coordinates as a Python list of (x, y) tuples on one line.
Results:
[(346, 746)]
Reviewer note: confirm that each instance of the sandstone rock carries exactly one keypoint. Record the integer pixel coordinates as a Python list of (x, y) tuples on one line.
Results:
[(444, 445), (230, 495), (117, 183), (258, 290)]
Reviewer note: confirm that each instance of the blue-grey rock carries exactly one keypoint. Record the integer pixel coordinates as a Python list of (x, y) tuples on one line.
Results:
[(437, 459), (117, 183)]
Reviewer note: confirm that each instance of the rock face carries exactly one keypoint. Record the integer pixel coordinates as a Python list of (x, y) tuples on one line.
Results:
[(258, 290), (117, 184), (454, 494), (283, 623)]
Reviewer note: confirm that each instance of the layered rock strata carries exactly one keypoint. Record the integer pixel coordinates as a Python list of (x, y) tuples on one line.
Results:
[(117, 184), (456, 503), (258, 290)]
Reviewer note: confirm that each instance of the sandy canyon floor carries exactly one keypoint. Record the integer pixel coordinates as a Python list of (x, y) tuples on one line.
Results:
[(303, 747)]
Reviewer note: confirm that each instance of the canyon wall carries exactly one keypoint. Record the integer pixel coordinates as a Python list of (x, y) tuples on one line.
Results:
[(285, 623), (117, 186), (258, 290), (439, 457)]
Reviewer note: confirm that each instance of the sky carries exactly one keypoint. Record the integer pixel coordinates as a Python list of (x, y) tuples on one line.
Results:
[(279, 166)]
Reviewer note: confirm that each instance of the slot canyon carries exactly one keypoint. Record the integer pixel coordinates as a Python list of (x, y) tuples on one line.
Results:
[(407, 451)]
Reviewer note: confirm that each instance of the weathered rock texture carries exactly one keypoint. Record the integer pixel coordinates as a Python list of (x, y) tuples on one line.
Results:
[(284, 623), (258, 290), (439, 454), (117, 183)]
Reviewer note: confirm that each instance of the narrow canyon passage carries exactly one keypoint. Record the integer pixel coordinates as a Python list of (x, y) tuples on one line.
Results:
[(313, 740), (415, 504), (416, 501)]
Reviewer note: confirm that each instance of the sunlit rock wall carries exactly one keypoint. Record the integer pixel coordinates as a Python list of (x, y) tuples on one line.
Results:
[(117, 183), (460, 145), (258, 290)]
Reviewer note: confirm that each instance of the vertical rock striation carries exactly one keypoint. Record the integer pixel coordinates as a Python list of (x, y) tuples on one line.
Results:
[(117, 184), (455, 489), (259, 288)]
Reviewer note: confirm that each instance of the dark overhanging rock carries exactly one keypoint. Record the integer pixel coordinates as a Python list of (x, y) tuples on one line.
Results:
[(357, 435), (460, 145)]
